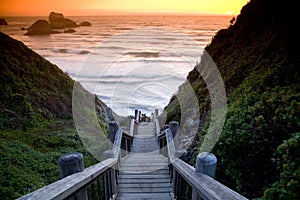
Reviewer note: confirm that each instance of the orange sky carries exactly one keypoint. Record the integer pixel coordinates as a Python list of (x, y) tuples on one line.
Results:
[(98, 7)]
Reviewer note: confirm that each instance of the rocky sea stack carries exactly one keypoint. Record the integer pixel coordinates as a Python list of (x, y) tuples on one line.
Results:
[(85, 23), (58, 21), (40, 27), (3, 22)]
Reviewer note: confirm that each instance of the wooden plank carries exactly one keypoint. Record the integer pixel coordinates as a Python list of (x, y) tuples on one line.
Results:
[(67, 186), (145, 185), (131, 130), (143, 159), (144, 174), (165, 172), (144, 180), (146, 155), (205, 185), (171, 146), (146, 196), (157, 127), (134, 168), (144, 190), (117, 143), (145, 163), (144, 171)]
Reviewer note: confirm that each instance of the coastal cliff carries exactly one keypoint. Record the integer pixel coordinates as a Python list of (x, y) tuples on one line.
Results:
[(258, 59), (36, 119)]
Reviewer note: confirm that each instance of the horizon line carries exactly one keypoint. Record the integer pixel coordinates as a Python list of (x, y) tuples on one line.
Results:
[(124, 13)]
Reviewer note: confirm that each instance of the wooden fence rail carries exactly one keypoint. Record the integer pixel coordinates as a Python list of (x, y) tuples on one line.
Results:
[(100, 181), (95, 182), (189, 182)]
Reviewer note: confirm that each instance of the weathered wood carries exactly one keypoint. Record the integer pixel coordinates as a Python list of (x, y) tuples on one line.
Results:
[(71, 184), (138, 189), (144, 174), (206, 163), (143, 180), (145, 185), (117, 143), (132, 128), (157, 127), (112, 130), (145, 141), (156, 113), (174, 127), (146, 196), (133, 175), (170, 145), (69, 164), (206, 186), (203, 185), (139, 117), (136, 114)]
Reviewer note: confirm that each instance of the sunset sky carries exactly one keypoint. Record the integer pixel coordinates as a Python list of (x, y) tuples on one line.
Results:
[(99, 7)]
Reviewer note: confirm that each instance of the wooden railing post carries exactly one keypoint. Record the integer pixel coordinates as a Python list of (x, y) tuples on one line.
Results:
[(156, 113), (69, 164), (136, 114), (174, 127), (179, 152), (135, 127), (111, 177), (112, 129), (206, 163)]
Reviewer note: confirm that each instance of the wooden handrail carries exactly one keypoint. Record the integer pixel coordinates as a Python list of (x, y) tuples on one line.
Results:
[(187, 182), (157, 127), (133, 127), (201, 186), (117, 143), (170, 145), (205, 186), (71, 184)]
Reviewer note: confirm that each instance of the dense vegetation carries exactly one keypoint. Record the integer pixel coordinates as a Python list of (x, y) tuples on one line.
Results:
[(258, 58), (36, 125)]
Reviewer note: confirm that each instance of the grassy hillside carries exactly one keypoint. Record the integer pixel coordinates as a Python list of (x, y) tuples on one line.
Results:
[(258, 58), (36, 125)]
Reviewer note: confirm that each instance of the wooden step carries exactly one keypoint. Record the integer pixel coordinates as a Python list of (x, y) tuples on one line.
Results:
[(145, 196), (149, 179), (150, 189), (144, 174)]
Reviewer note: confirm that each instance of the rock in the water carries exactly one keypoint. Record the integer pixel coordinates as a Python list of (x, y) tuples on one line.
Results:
[(85, 23), (69, 30), (40, 27), (58, 21), (3, 22), (55, 17)]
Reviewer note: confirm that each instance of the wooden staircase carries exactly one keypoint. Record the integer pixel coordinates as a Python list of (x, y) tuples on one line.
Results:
[(144, 174)]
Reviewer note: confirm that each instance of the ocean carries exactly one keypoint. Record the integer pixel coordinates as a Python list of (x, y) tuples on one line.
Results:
[(129, 62)]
